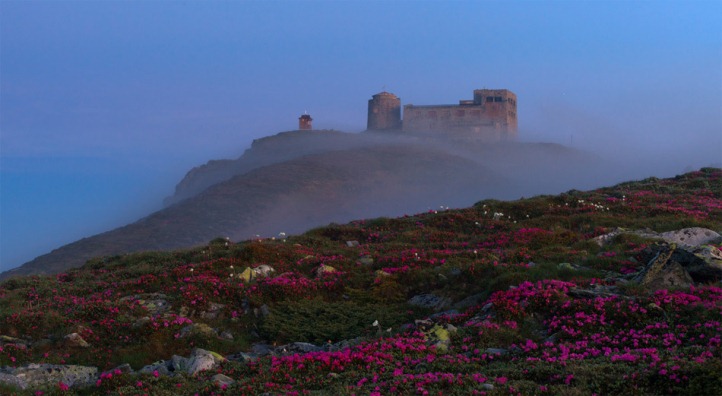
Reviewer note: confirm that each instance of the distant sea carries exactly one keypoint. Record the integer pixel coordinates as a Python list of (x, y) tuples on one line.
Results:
[(48, 202)]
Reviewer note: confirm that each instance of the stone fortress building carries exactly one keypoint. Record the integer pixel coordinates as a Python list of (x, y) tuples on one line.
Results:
[(490, 116)]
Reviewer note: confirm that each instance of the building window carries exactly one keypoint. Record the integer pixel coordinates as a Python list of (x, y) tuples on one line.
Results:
[(489, 98), (460, 113), (476, 113), (497, 99)]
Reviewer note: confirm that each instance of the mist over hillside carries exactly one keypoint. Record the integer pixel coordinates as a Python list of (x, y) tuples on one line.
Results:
[(517, 163), (297, 180)]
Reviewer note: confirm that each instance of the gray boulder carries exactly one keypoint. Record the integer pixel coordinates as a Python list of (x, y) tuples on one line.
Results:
[(199, 360), (199, 330), (295, 348), (74, 340), (264, 270), (160, 366), (202, 360), (703, 263), (607, 238), (695, 236), (222, 380), (664, 274), (469, 301), (155, 303), (365, 260), (213, 311), (177, 364), (40, 376), (430, 301)]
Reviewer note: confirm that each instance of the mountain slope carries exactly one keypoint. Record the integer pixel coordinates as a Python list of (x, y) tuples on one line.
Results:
[(294, 181), (291, 197), (609, 291)]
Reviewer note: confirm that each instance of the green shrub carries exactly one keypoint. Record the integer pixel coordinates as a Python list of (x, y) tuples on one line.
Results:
[(318, 321)]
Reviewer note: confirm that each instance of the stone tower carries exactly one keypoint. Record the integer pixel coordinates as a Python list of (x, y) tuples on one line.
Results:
[(304, 122), (384, 112)]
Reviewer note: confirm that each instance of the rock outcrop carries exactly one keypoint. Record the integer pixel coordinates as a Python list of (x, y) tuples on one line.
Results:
[(670, 265), (42, 376)]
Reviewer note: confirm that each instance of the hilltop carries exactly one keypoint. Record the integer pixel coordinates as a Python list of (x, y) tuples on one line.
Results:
[(297, 180), (615, 290)]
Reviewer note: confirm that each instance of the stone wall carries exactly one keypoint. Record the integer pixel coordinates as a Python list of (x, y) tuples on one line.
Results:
[(490, 116), (384, 112)]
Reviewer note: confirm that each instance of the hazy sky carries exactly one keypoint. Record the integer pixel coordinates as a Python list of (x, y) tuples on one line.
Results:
[(105, 105)]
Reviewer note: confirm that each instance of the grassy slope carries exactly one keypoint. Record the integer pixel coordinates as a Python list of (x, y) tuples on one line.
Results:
[(641, 343), (285, 197)]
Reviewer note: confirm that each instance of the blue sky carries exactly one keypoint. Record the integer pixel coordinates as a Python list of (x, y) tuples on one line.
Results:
[(105, 105)]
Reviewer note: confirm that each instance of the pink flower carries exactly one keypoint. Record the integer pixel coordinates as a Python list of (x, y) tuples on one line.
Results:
[(155, 374), (502, 380), (62, 386)]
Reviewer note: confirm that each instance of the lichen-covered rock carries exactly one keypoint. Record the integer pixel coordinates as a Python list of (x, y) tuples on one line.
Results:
[(17, 342), (566, 266), (247, 275), (213, 311), (607, 238), (41, 376), (323, 269), (74, 340), (154, 303), (202, 360), (264, 271), (198, 329), (262, 311), (439, 338), (703, 263), (430, 301), (221, 380), (177, 364), (665, 275), (161, 367), (12, 380), (694, 236), (469, 301)]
